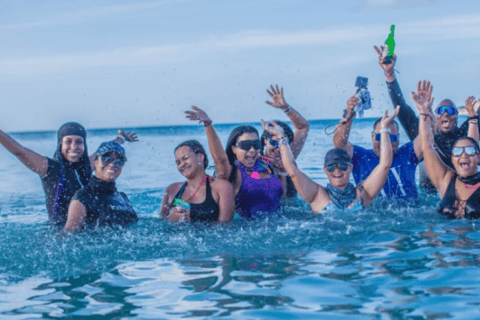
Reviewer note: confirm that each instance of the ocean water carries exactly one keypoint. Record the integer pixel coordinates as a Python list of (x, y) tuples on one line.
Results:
[(388, 262)]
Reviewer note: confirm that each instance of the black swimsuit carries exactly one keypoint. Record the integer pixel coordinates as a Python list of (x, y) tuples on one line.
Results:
[(207, 211), (448, 208)]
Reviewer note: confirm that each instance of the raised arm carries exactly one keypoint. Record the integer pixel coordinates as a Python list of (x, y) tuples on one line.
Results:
[(472, 123), (31, 159), (220, 159), (436, 169), (342, 130), (76, 216), (309, 190), (376, 180), (121, 137), (300, 123), (406, 115)]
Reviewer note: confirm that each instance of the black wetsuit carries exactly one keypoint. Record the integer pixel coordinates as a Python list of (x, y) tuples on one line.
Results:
[(207, 211), (105, 206), (409, 121), (447, 205)]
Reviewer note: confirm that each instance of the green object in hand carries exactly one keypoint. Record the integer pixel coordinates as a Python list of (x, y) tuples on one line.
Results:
[(181, 203), (390, 42)]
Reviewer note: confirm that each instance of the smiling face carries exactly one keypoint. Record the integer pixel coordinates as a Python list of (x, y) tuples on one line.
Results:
[(445, 122), (73, 148), (107, 172), (188, 162), (465, 165), (376, 145), (338, 178), (247, 158)]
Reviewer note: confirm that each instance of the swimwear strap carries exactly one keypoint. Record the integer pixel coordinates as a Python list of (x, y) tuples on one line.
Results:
[(198, 188)]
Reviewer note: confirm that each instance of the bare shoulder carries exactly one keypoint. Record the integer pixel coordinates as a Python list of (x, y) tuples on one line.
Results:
[(220, 184), (174, 188)]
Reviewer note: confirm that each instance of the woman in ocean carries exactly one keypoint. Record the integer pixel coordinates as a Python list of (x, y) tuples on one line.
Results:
[(68, 171), (339, 193), (256, 188), (201, 198), (296, 140), (99, 203), (459, 188)]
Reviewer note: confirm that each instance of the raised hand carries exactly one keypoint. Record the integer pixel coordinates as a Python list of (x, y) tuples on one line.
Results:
[(382, 53), (472, 106), (352, 102), (388, 120), (129, 136), (274, 129), (423, 97), (198, 114), (278, 101)]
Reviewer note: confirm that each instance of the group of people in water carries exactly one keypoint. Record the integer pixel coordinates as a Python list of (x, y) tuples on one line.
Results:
[(255, 174)]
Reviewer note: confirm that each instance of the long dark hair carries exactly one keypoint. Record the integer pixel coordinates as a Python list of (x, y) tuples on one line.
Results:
[(267, 135), (196, 147), (232, 140)]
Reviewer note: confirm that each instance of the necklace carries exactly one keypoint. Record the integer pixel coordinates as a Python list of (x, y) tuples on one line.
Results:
[(198, 188)]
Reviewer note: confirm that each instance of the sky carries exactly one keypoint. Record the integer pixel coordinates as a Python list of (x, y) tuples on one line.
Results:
[(109, 64)]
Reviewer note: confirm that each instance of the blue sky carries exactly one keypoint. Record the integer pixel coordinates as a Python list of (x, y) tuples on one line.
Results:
[(142, 63)]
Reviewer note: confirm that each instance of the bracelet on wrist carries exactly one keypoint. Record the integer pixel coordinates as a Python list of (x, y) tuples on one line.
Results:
[(427, 115), (207, 123), (119, 139), (347, 115), (289, 108), (474, 117)]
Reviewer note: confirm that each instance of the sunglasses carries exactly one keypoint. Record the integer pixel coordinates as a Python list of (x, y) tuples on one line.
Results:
[(341, 166), (247, 144), (458, 151), (448, 109), (118, 162), (393, 137), (275, 143)]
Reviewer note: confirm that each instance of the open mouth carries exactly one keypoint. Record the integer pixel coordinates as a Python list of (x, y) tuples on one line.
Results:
[(464, 164), (337, 175), (249, 158), (445, 123)]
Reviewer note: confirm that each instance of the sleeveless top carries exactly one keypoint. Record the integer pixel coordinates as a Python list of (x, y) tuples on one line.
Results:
[(257, 195), (207, 211), (447, 205)]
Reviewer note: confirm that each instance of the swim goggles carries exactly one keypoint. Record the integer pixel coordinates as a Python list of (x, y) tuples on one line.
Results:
[(118, 162), (276, 144), (341, 166), (458, 151), (448, 109), (247, 144), (393, 137)]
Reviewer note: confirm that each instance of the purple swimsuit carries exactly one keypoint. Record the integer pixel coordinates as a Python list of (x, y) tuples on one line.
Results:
[(257, 195)]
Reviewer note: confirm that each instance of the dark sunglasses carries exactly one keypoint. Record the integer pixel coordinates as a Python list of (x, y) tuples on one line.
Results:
[(393, 137), (458, 151), (276, 144), (118, 162), (247, 144), (341, 166), (448, 109)]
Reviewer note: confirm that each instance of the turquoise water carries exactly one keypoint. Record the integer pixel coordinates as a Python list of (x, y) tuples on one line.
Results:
[(389, 262)]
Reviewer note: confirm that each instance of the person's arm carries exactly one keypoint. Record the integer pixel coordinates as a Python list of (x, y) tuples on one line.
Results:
[(173, 214), (166, 201), (313, 193), (436, 169), (76, 216), (472, 123), (220, 159), (300, 123), (226, 202), (342, 130), (31, 159), (406, 115), (377, 178), (121, 137)]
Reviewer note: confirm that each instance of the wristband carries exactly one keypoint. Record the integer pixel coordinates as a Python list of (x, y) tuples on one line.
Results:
[(427, 115), (289, 108), (348, 116), (474, 117), (387, 130), (207, 123), (119, 137)]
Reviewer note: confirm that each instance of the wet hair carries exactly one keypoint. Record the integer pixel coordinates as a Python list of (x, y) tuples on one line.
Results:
[(475, 143), (267, 135), (232, 140), (380, 119), (196, 147)]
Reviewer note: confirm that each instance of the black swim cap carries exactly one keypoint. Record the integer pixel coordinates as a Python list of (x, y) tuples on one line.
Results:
[(72, 129)]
